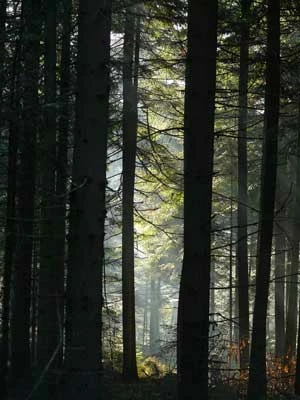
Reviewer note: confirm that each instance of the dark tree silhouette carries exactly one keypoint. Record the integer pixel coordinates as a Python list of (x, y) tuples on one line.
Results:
[(297, 227), (20, 323), (242, 250), (291, 314), (10, 237), (193, 310), (83, 353), (257, 388), (48, 323), (130, 71)]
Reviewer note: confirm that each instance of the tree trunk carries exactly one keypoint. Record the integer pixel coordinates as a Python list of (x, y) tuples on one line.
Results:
[(291, 317), (48, 320), (230, 305), (280, 248), (242, 234), (8, 253), (34, 298), (145, 321), (281, 245), (10, 233), (257, 388), (62, 157), (212, 300), (297, 227), (288, 271), (193, 309), (20, 324), (2, 55), (154, 315), (130, 68), (83, 352)]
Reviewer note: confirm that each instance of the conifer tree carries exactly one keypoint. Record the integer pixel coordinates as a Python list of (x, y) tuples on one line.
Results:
[(130, 82), (20, 323), (83, 353), (257, 387), (193, 309)]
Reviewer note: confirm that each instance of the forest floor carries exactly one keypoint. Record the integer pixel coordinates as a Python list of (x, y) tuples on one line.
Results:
[(164, 388), (148, 388), (112, 388)]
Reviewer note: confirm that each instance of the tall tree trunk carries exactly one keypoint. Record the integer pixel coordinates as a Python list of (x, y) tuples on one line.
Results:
[(129, 154), (8, 253), (62, 157), (257, 389), (10, 234), (281, 244), (288, 270), (230, 261), (291, 316), (83, 351), (2, 55), (212, 300), (242, 236), (193, 309), (297, 226), (154, 315), (145, 320), (48, 321), (20, 324), (280, 248), (34, 297)]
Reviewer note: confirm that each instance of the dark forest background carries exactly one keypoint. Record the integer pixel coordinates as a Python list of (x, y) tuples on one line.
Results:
[(149, 199)]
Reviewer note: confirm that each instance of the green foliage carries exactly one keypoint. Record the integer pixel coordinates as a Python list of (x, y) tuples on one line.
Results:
[(152, 367)]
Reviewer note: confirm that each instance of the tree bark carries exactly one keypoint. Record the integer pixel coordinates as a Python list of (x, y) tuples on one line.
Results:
[(48, 319), (291, 316), (242, 234), (34, 298), (280, 249), (257, 388), (145, 320), (10, 233), (282, 239), (63, 133), (193, 309), (62, 145), (297, 226), (154, 315), (8, 254), (10, 205), (83, 351), (20, 324), (212, 300), (130, 120), (3, 6)]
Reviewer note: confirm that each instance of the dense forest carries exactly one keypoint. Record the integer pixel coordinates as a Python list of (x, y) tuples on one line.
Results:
[(149, 199)]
